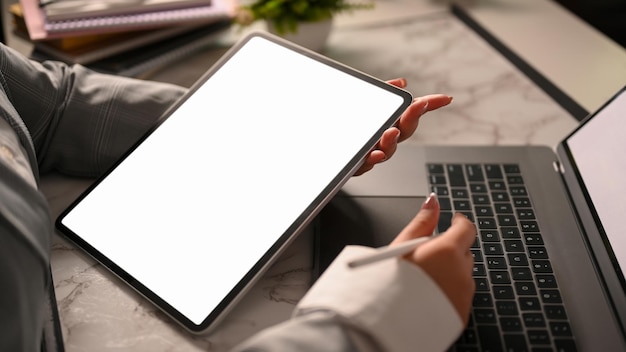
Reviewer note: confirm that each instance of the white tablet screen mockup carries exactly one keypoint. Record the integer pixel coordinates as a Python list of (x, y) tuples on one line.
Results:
[(194, 212)]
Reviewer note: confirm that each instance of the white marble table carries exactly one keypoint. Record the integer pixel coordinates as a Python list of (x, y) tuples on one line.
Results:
[(494, 103)]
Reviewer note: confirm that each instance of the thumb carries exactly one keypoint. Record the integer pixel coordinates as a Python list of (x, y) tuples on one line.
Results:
[(423, 224)]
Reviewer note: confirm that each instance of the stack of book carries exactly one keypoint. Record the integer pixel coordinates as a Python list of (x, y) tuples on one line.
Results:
[(125, 37)]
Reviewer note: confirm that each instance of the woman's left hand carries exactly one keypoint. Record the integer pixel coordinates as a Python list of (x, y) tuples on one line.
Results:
[(406, 126)]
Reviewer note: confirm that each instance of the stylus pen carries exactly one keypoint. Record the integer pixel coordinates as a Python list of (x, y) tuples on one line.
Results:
[(389, 252)]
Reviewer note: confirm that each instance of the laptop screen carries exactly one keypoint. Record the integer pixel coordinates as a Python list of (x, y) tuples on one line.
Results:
[(597, 150)]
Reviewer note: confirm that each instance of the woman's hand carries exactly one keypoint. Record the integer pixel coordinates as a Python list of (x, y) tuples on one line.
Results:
[(446, 258), (405, 127)]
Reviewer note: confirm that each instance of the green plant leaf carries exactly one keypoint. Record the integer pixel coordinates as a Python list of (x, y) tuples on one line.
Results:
[(286, 14)]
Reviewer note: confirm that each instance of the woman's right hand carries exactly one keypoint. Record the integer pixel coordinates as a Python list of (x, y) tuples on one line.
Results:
[(446, 258)]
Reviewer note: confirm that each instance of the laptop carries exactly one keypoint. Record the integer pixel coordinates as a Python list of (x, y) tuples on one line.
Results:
[(550, 249)]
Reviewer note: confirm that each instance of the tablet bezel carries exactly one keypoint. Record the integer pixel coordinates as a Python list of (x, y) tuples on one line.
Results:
[(286, 238)]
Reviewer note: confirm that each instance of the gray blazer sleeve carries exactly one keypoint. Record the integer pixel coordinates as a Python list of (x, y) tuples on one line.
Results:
[(81, 121), (54, 117)]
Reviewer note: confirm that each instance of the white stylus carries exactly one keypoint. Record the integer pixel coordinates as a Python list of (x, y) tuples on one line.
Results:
[(389, 252)]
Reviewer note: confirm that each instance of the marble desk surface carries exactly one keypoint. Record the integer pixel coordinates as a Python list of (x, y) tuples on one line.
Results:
[(494, 103)]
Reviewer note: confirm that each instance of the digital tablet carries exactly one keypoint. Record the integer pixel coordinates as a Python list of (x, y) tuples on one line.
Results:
[(200, 207)]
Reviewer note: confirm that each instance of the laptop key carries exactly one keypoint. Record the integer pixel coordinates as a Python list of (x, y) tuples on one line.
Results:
[(485, 315), (529, 226), (534, 320), (440, 190), (483, 210), (497, 185), (507, 308), (479, 270), (474, 173), (521, 274), (546, 281), (541, 266), (435, 168), (489, 337), (515, 180), (525, 288), (482, 300), (487, 223), (529, 303), (477, 255), (444, 203), (500, 196), (537, 253), (503, 208), (468, 337), (496, 263), (493, 171), (560, 329), (482, 285), (511, 324), (462, 205), (565, 345), (533, 239), (437, 179), (481, 199), (515, 343), (507, 220), (459, 193), (555, 312), (510, 232), (517, 259), (499, 277), (493, 248), (550, 296), (455, 175), (445, 219), (511, 168), (513, 246), (503, 292), (518, 191), (478, 188), (521, 202), (489, 236), (525, 214), (538, 337)]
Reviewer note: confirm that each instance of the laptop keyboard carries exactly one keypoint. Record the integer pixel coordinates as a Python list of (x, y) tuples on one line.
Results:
[(517, 305)]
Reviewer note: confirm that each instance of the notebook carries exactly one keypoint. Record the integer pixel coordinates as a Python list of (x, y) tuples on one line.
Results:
[(203, 204), (550, 250), (41, 28), (58, 10)]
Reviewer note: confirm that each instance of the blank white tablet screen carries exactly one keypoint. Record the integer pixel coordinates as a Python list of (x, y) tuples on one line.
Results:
[(201, 200)]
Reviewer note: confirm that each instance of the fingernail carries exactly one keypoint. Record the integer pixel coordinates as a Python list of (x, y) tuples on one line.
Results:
[(456, 215), (430, 202), (397, 136)]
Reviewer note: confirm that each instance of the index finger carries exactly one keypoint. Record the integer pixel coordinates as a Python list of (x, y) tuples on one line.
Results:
[(435, 101), (410, 117)]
